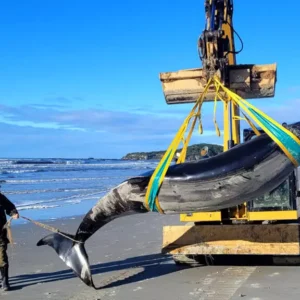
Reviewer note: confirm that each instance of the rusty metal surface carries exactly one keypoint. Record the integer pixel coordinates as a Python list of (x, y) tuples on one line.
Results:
[(248, 81), (238, 249), (275, 239)]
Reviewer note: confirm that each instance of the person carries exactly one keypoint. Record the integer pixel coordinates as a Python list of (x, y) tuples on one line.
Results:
[(176, 156), (204, 152), (6, 208)]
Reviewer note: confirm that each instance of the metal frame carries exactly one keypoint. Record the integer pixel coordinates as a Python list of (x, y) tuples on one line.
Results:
[(291, 180)]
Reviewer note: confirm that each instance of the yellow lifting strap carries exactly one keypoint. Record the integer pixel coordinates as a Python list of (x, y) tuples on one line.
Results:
[(151, 200), (288, 142)]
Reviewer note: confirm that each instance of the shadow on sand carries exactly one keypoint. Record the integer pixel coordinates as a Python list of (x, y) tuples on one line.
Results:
[(137, 269), (152, 266)]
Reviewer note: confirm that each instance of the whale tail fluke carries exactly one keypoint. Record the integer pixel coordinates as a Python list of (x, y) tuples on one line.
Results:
[(72, 253)]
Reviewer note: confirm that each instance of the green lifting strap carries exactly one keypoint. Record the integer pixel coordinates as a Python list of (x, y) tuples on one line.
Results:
[(285, 141), (156, 185)]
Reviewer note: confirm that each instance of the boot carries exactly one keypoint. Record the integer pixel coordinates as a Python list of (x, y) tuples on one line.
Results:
[(4, 275)]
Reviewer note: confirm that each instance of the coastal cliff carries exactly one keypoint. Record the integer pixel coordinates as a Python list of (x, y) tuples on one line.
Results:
[(193, 153)]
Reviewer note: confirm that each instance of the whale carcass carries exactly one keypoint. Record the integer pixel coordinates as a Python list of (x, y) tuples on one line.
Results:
[(242, 173)]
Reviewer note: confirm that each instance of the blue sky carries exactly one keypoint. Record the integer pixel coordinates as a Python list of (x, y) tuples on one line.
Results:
[(81, 78)]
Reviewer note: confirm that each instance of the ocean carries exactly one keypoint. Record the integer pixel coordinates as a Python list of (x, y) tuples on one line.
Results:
[(47, 189)]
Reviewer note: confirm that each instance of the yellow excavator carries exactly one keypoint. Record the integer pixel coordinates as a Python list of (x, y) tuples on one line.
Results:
[(267, 225)]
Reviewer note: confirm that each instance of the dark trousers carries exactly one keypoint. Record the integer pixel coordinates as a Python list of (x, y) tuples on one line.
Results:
[(3, 254)]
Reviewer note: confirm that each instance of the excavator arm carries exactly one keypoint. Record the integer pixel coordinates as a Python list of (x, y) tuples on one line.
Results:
[(215, 44), (217, 53)]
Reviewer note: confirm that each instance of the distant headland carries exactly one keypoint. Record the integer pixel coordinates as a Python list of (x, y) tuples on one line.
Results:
[(193, 153)]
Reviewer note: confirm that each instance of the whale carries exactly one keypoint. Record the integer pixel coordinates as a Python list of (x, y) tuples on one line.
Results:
[(244, 172)]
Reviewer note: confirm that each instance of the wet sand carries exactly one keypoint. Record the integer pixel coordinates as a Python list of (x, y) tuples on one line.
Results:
[(126, 262)]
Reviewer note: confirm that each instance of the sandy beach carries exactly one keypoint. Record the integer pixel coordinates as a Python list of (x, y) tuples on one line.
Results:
[(127, 264)]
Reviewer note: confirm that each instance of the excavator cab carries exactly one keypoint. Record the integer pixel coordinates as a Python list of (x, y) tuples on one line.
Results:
[(283, 198)]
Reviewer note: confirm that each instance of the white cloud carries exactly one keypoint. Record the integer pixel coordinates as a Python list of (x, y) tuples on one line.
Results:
[(49, 131)]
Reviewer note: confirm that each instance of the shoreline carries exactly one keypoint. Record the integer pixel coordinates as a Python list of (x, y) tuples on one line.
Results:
[(73, 210)]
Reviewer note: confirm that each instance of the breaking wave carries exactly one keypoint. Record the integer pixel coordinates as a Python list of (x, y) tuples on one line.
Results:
[(36, 207), (20, 181), (67, 199), (61, 190)]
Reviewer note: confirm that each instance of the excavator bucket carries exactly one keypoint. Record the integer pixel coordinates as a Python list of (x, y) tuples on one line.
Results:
[(248, 81)]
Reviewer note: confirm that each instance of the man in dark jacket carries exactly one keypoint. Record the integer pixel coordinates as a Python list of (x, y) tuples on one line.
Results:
[(6, 208)]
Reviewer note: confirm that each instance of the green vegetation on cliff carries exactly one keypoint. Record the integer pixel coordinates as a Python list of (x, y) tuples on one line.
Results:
[(193, 153)]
